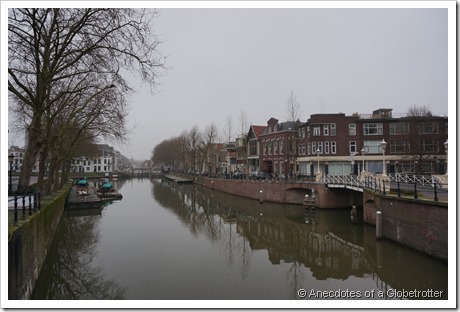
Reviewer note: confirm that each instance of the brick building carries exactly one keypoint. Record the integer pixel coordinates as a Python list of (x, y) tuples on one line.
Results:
[(278, 143), (254, 147), (342, 144)]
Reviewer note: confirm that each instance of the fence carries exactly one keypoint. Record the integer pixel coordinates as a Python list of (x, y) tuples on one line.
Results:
[(28, 204), (410, 185)]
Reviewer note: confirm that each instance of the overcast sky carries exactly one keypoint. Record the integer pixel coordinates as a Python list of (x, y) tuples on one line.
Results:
[(225, 61)]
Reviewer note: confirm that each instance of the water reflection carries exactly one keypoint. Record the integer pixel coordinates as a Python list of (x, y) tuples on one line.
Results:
[(317, 243), (169, 241), (70, 271)]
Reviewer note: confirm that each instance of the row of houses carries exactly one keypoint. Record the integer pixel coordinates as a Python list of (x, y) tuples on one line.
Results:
[(103, 158), (337, 144)]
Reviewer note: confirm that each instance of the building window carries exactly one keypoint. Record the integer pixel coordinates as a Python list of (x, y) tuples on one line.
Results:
[(430, 146), (303, 133), (326, 147), (428, 127), (275, 147), (399, 128), (333, 148), (352, 145), (326, 129), (333, 129), (398, 147), (281, 147), (320, 147), (373, 128), (252, 147), (304, 150), (313, 147), (309, 148), (372, 147), (316, 130), (352, 129)]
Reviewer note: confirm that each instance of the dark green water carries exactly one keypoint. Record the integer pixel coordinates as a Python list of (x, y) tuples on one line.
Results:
[(166, 241)]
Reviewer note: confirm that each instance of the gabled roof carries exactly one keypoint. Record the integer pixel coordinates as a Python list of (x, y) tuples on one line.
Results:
[(257, 130)]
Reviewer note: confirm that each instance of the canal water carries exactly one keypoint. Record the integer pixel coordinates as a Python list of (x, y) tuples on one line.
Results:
[(169, 241)]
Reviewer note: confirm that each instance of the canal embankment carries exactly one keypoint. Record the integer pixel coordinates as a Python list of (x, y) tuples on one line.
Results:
[(29, 242), (417, 223)]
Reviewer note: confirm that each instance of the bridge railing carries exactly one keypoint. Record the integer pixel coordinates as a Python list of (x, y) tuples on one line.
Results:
[(418, 179), (402, 184)]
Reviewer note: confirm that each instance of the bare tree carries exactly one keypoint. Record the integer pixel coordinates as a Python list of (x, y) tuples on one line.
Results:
[(228, 128), (419, 111), (55, 54), (292, 109), (194, 141), (209, 137)]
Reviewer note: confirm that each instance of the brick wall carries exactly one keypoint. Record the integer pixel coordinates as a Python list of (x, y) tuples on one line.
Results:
[(416, 223), (287, 193)]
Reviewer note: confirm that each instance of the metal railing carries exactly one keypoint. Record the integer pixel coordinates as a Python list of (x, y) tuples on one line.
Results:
[(27, 203), (402, 184), (418, 179)]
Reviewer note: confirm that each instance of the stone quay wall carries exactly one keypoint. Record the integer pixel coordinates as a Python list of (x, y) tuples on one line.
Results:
[(285, 192), (28, 246), (419, 224)]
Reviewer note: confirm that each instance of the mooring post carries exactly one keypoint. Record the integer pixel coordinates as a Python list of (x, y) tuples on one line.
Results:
[(261, 200), (354, 214), (378, 224)]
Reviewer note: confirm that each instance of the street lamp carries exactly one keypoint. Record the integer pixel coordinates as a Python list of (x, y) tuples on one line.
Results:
[(363, 151), (10, 185), (383, 144), (352, 162), (317, 154), (447, 155)]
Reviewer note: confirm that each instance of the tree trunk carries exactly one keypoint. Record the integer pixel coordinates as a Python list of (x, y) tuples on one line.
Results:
[(30, 156), (51, 175), (42, 168)]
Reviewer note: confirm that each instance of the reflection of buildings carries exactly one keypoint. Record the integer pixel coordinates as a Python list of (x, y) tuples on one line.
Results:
[(331, 247)]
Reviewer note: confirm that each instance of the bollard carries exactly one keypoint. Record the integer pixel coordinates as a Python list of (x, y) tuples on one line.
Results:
[(354, 214), (379, 255), (378, 224), (260, 198), (39, 200)]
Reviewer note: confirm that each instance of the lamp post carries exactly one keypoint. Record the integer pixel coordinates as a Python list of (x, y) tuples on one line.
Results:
[(352, 163), (10, 185), (447, 155), (317, 155), (383, 144), (363, 151)]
